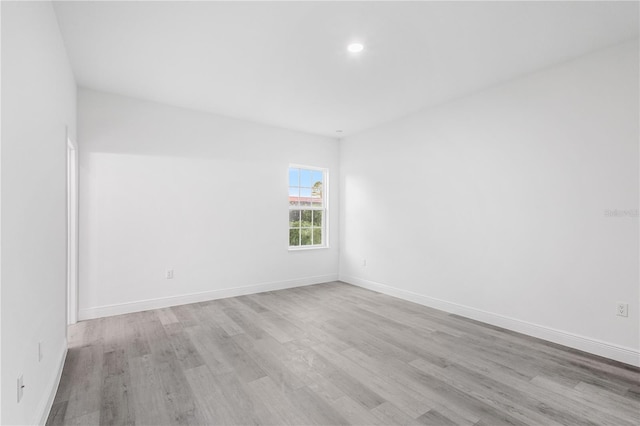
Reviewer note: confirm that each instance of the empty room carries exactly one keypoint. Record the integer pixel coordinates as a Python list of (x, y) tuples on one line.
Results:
[(320, 213)]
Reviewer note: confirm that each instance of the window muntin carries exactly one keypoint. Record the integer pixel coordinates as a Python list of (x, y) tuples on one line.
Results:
[(307, 207)]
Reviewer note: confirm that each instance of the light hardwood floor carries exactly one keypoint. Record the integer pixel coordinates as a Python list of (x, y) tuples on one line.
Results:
[(330, 354)]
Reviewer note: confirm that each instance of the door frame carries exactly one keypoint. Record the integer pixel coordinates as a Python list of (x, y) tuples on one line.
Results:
[(72, 231)]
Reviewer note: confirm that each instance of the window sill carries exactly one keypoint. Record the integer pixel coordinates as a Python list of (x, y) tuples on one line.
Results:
[(305, 248)]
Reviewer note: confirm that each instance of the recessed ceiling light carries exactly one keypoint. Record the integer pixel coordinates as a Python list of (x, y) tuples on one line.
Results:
[(355, 47)]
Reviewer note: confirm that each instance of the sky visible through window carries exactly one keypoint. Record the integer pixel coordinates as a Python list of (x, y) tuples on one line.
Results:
[(304, 179)]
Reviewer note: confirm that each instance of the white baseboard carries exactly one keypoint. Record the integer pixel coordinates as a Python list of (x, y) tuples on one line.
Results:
[(183, 299), (586, 344), (44, 408)]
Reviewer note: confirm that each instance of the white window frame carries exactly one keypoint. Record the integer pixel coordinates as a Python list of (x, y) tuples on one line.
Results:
[(324, 209)]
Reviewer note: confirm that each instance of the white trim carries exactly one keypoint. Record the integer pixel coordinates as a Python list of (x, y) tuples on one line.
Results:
[(42, 413), (303, 248), (165, 302), (597, 347), (304, 166), (72, 231)]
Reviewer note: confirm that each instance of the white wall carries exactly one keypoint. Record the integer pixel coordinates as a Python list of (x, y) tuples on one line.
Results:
[(163, 187), (493, 206), (38, 102)]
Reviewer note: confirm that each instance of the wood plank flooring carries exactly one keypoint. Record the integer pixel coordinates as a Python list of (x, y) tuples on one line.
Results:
[(330, 354)]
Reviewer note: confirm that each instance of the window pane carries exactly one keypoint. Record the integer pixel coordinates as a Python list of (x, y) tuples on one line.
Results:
[(316, 190), (294, 218), (305, 178), (317, 236), (316, 177), (294, 237), (305, 237), (294, 177), (294, 196), (306, 218), (316, 200), (305, 196), (305, 192), (317, 218)]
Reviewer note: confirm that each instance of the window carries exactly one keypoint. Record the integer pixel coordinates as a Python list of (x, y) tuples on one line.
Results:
[(307, 207)]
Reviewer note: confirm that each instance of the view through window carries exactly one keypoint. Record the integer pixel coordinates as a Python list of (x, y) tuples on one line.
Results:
[(307, 207)]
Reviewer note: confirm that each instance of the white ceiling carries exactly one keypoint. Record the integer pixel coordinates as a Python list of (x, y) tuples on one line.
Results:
[(286, 63)]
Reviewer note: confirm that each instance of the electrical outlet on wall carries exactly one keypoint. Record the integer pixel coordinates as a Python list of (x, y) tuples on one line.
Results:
[(169, 274), (622, 309), (364, 262), (40, 354)]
